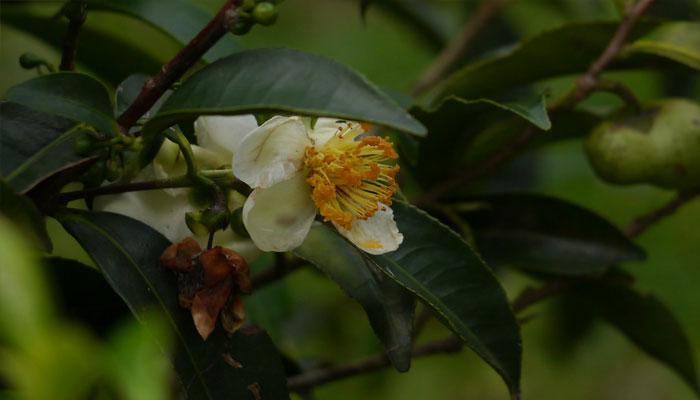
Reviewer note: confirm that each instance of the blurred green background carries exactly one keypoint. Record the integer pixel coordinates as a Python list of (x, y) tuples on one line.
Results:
[(311, 319)]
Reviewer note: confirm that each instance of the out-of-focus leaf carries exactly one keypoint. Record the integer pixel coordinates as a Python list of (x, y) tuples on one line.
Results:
[(256, 81), (20, 210), (576, 46), (430, 22), (544, 234), (71, 95), (454, 123), (96, 49), (180, 19), (389, 306), (126, 251), (648, 323), (33, 145), (449, 277), (678, 41), (128, 91)]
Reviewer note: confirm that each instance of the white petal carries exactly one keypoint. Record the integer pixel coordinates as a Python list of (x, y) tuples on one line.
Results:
[(223, 133), (156, 208), (279, 217), (170, 162), (272, 153), (376, 235), (324, 130)]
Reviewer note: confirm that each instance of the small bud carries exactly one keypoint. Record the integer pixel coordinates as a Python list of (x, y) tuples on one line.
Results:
[(95, 174), (237, 223), (265, 13), (204, 222), (73, 10), (31, 61), (248, 5), (242, 27), (82, 144), (112, 170), (200, 197)]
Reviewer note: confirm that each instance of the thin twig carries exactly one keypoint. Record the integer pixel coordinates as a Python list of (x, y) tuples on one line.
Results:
[(70, 42), (450, 57), (222, 177), (642, 223), (310, 379), (585, 85), (154, 87)]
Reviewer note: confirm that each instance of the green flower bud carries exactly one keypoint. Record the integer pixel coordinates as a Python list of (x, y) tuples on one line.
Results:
[(82, 144), (242, 27), (248, 5), (95, 174), (265, 13), (112, 170), (30, 61), (237, 223), (74, 10), (200, 197)]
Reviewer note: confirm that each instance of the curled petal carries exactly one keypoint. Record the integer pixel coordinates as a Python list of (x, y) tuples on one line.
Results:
[(375, 235), (272, 153), (279, 217), (324, 130), (223, 133)]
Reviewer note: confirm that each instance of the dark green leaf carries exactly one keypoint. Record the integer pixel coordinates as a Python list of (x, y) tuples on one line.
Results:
[(129, 90), (96, 48), (545, 234), (126, 251), (70, 95), (576, 46), (179, 19), (256, 81), (648, 323), (33, 145), (22, 211), (455, 122), (84, 294), (678, 41), (450, 278), (389, 306)]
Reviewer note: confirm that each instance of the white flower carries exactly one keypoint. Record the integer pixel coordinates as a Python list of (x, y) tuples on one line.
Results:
[(298, 172), (165, 209)]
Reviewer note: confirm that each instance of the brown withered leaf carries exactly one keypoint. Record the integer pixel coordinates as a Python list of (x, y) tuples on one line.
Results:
[(206, 306), (180, 256), (233, 315)]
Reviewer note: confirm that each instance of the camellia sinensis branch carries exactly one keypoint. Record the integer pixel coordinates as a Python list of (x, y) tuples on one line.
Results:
[(585, 85), (156, 86), (76, 13)]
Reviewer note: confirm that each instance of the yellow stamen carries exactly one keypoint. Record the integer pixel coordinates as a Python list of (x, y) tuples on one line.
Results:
[(349, 177)]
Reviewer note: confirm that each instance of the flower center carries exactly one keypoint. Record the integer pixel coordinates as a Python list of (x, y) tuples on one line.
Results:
[(348, 176)]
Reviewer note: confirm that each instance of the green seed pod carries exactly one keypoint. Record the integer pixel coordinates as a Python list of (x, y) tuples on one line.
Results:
[(82, 144), (237, 223), (659, 145), (95, 174), (265, 13)]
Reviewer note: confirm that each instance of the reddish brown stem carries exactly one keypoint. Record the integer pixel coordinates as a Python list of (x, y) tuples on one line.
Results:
[(154, 87), (70, 43)]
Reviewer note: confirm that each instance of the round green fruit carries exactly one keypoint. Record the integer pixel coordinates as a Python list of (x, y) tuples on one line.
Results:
[(659, 145)]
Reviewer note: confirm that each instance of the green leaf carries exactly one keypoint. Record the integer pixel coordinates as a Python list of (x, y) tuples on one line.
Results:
[(179, 19), (389, 306), (95, 48), (576, 46), (678, 41), (281, 80), (455, 122), (544, 234), (449, 277), (71, 95), (33, 145), (126, 251), (648, 323), (22, 211)]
